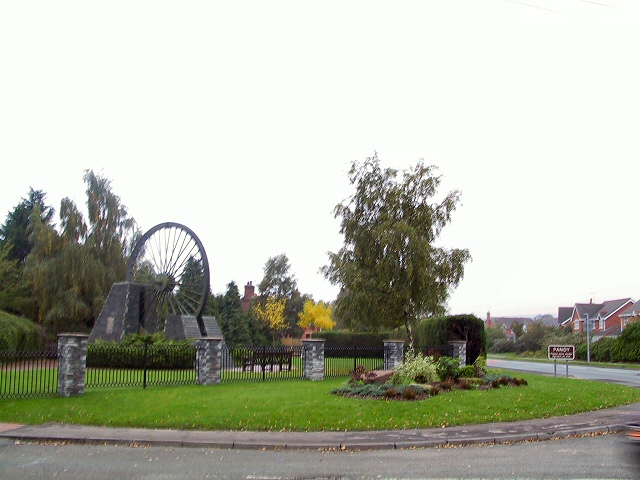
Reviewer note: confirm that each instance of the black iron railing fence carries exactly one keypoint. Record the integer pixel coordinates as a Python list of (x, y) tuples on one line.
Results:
[(261, 363), (110, 365), (32, 374), (340, 361), (29, 374)]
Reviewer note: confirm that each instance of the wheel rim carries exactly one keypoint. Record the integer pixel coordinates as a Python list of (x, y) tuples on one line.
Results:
[(170, 261)]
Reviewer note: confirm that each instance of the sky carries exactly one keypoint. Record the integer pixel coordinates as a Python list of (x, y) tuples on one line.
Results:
[(241, 119)]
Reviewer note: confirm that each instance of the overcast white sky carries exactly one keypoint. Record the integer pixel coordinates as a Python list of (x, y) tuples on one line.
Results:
[(240, 119)]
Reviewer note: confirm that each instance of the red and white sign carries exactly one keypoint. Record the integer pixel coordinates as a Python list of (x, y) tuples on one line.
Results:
[(562, 352)]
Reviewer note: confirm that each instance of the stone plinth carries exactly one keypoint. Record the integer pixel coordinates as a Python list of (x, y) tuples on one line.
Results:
[(313, 359), (393, 354), (72, 363), (459, 348), (209, 353)]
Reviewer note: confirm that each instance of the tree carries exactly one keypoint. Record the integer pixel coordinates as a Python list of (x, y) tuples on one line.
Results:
[(517, 329), (71, 272), (494, 335), (277, 281), (233, 322), (532, 339), (271, 313), (9, 282), (318, 315), (15, 231), (389, 269)]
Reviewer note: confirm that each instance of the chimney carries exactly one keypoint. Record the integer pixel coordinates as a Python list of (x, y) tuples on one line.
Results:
[(249, 293)]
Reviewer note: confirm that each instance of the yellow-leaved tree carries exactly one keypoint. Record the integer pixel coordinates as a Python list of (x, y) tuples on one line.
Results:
[(317, 315), (272, 315)]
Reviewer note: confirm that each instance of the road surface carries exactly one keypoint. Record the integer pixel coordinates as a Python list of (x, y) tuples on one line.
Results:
[(602, 457), (628, 377)]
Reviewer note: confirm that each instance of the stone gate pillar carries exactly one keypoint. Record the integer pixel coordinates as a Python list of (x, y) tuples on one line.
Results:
[(459, 348), (393, 354), (313, 359), (72, 363), (209, 358)]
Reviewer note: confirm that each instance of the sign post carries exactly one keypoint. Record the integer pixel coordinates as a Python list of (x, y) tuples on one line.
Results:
[(562, 352)]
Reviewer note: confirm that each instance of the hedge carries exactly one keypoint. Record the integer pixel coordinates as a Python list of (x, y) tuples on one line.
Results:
[(19, 334), (342, 343), (439, 331), (142, 351)]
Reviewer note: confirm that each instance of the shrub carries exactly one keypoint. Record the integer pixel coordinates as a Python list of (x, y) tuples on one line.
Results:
[(601, 351), (464, 384), (467, 371), (19, 334), (480, 366), (448, 384), (142, 351), (533, 339), (503, 346), (391, 392), (416, 368), (357, 374), (447, 367), (367, 345), (439, 331), (627, 346), (409, 393)]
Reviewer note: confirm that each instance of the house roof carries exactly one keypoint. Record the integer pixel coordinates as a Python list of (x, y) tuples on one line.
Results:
[(632, 310), (615, 331), (548, 320), (564, 314), (583, 309), (611, 307), (605, 309)]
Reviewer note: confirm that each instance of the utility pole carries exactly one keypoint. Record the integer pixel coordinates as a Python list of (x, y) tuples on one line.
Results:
[(588, 338)]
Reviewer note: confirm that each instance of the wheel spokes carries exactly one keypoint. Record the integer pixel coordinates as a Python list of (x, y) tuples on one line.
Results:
[(170, 262)]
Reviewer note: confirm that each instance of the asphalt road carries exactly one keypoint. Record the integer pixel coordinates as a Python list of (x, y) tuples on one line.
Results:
[(629, 377), (602, 457)]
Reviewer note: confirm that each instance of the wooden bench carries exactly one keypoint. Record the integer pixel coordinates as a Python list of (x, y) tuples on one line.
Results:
[(263, 359)]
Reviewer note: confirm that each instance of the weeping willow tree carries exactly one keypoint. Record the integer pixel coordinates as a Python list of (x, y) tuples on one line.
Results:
[(72, 270), (390, 271)]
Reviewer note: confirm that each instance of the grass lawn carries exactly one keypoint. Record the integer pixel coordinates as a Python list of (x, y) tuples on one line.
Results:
[(298, 405)]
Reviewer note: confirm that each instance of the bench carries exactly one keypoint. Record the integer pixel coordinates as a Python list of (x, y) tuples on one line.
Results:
[(263, 359)]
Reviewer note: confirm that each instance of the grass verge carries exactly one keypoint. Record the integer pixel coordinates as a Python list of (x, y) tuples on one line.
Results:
[(299, 405)]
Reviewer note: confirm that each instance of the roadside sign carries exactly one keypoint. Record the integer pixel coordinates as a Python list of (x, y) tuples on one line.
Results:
[(562, 352)]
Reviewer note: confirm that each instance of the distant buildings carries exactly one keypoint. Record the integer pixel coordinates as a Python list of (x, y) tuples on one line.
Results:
[(606, 319), (249, 293), (506, 322)]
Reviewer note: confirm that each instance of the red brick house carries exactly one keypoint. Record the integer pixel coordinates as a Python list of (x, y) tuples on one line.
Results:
[(604, 317), (630, 315)]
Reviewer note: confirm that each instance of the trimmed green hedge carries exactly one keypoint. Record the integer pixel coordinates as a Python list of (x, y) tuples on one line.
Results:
[(340, 344), (627, 346), (623, 349), (351, 339), (439, 331), (142, 351), (19, 334)]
